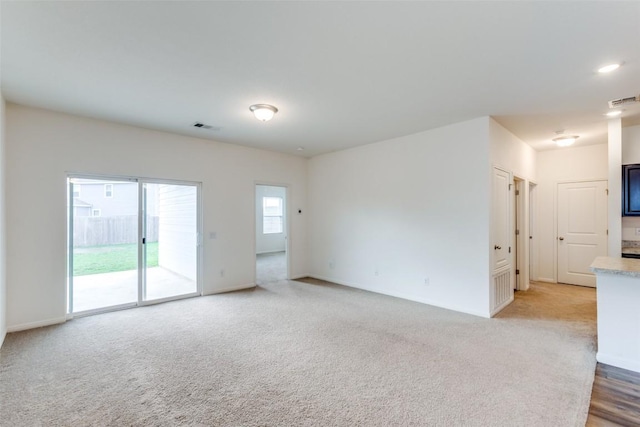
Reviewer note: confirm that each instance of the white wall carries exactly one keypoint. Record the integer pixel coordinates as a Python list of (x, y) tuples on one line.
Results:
[(3, 229), (386, 216), (554, 166), (510, 153), (630, 155), (42, 146), (631, 145), (3, 257), (267, 243)]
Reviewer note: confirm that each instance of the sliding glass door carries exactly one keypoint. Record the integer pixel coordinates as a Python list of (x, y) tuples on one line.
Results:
[(131, 242)]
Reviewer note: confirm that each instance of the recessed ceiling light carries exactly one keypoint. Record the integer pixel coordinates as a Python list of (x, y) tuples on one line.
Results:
[(565, 140), (615, 113), (609, 68), (264, 112)]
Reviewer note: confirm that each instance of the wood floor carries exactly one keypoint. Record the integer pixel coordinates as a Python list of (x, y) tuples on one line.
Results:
[(615, 398)]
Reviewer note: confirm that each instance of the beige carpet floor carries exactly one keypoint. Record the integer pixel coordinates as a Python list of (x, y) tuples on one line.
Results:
[(271, 267), (306, 354)]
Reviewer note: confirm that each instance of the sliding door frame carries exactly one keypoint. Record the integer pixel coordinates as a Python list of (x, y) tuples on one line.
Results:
[(142, 234), (141, 268)]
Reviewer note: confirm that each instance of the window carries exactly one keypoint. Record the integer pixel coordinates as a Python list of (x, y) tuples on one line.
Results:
[(76, 191), (108, 190), (95, 212), (272, 215)]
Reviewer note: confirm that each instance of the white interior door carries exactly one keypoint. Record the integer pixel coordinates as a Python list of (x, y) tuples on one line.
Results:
[(501, 219), (518, 227), (582, 230)]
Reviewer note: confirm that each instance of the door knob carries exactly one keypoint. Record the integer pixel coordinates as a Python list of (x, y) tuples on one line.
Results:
[(560, 238), (496, 247)]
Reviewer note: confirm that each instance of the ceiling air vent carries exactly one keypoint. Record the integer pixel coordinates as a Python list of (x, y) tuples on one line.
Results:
[(201, 125), (624, 101)]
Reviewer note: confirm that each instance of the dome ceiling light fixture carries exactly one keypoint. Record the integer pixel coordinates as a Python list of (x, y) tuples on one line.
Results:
[(564, 140), (609, 68), (263, 112)]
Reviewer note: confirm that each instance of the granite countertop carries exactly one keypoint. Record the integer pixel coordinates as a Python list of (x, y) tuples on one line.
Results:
[(620, 266), (631, 250), (631, 243)]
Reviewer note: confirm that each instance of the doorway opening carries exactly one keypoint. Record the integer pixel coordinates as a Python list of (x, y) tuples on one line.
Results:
[(271, 234), (131, 242)]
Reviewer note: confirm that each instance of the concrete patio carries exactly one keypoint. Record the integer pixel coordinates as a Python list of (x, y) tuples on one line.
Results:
[(110, 289)]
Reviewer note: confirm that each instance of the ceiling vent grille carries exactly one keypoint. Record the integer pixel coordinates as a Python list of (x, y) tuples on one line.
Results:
[(201, 125), (624, 101)]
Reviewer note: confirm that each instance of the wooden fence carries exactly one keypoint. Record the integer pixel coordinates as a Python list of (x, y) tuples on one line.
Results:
[(111, 230)]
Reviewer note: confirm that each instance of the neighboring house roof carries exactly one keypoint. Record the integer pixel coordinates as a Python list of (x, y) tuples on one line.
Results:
[(77, 203)]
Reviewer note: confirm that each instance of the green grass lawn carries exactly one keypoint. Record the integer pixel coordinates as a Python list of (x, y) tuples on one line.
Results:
[(108, 259)]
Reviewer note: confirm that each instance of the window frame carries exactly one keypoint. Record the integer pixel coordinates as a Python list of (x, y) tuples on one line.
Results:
[(269, 215), (106, 191)]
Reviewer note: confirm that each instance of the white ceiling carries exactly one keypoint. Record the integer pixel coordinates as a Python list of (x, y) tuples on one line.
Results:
[(342, 73)]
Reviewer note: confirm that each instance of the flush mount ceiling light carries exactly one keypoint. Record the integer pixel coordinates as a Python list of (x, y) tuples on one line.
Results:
[(264, 112), (609, 68), (614, 113), (565, 140)]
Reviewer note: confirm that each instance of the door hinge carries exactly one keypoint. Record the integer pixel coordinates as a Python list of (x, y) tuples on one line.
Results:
[(509, 249), (517, 271), (517, 192), (510, 187), (517, 232), (607, 190), (607, 232)]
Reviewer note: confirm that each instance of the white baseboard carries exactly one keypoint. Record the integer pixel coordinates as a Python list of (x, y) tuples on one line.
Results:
[(401, 296), (302, 276), (546, 280), (231, 289), (38, 324), (631, 365), (3, 335)]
